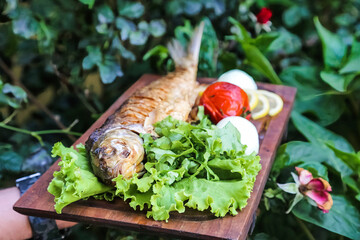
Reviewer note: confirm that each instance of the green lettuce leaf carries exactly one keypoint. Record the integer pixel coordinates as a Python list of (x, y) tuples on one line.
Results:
[(189, 165), (75, 180), (197, 166)]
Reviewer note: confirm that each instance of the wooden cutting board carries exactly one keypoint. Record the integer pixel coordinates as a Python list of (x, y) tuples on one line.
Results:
[(191, 224)]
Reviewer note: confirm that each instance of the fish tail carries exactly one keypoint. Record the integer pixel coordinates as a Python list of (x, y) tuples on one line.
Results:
[(190, 58)]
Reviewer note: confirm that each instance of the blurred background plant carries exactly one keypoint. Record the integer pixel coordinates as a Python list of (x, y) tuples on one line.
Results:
[(62, 63)]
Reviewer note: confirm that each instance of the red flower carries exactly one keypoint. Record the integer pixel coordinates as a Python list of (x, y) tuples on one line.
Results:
[(264, 16), (315, 188)]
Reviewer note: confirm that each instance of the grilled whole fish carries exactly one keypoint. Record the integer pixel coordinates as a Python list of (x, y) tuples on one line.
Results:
[(116, 147)]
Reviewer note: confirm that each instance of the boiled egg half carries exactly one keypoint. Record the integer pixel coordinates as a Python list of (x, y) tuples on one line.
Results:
[(248, 133)]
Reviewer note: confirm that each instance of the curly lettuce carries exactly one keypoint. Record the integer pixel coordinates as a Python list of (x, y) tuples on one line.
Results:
[(197, 166), (75, 180), (189, 165)]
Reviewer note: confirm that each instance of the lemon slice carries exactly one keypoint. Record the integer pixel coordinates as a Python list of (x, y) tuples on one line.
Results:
[(262, 108), (275, 102), (253, 98)]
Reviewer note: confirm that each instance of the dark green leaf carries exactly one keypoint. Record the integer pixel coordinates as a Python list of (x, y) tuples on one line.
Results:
[(336, 81), (343, 218), (311, 97), (316, 168), (90, 3), (130, 9), (353, 62), (183, 33), (9, 160), (263, 41), (209, 49), (158, 50), (301, 154), (256, 59), (317, 134), (263, 236), (333, 48)]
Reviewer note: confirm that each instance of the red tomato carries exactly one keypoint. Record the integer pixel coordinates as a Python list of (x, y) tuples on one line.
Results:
[(223, 99)]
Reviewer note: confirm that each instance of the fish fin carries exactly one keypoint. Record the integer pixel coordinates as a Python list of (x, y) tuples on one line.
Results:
[(191, 57)]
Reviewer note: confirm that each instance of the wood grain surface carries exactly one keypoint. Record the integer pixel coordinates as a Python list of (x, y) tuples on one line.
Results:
[(191, 224)]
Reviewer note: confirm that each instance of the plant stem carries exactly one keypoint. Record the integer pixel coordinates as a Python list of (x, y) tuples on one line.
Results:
[(36, 134), (32, 98), (58, 131), (9, 118), (304, 228)]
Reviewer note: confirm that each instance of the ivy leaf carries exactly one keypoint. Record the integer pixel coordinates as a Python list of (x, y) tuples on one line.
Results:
[(109, 70), (130, 9), (189, 7), (157, 27), (317, 134), (125, 26), (293, 15), (11, 95), (11, 5), (24, 24), (218, 6), (138, 37), (333, 48), (350, 222), (105, 14), (94, 57), (123, 51), (353, 62)]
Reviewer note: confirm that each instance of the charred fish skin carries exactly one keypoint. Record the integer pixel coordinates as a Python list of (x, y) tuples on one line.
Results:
[(117, 151), (116, 147)]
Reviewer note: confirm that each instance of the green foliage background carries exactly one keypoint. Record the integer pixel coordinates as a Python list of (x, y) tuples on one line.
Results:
[(62, 63)]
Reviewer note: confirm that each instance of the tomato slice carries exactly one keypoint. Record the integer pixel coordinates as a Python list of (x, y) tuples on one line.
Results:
[(223, 99)]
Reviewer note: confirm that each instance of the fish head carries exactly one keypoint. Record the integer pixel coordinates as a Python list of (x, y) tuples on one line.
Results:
[(117, 151)]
